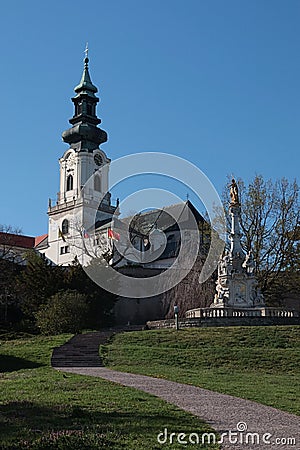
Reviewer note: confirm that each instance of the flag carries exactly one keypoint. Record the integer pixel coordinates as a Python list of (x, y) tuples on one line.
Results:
[(61, 235), (113, 235), (85, 234)]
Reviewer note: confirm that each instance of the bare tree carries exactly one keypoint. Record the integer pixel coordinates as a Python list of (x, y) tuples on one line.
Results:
[(189, 293), (98, 245)]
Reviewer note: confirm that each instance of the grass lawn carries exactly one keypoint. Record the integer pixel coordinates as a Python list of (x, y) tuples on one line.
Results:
[(41, 409), (257, 363)]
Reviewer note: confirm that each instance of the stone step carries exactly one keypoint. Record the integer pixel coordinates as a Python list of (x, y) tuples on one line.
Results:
[(82, 350), (77, 364)]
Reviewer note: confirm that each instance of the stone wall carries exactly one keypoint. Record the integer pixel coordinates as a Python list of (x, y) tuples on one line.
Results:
[(136, 311)]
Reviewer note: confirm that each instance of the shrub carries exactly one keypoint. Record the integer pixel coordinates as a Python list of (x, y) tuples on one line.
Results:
[(64, 312)]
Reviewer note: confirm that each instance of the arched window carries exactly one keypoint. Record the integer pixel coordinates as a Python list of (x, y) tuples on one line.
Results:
[(97, 183), (69, 183), (65, 226)]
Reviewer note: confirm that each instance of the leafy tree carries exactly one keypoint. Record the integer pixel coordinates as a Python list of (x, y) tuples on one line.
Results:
[(64, 312), (9, 269), (101, 302), (38, 281), (28, 280), (9, 298)]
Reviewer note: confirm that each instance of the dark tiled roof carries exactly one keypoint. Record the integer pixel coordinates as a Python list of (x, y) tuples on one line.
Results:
[(165, 219), (16, 240)]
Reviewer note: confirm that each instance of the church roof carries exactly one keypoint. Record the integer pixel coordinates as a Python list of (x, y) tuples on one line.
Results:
[(164, 219), (16, 240), (39, 239)]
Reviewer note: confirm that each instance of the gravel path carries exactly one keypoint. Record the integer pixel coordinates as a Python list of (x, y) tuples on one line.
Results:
[(222, 412)]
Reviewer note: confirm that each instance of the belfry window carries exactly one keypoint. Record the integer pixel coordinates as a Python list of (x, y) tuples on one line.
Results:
[(89, 109), (65, 226), (69, 183), (97, 183), (78, 108)]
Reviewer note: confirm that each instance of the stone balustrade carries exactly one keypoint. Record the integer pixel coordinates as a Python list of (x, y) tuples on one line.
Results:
[(242, 312)]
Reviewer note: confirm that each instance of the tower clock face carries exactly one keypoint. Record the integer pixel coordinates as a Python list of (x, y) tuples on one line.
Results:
[(98, 159)]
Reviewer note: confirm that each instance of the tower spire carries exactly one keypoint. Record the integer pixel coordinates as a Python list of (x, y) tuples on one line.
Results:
[(84, 135), (86, 84)]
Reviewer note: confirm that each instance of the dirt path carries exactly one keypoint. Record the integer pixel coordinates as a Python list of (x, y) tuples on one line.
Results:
[(222, 412)]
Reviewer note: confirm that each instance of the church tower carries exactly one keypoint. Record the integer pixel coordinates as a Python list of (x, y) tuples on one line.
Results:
[(80, 161)]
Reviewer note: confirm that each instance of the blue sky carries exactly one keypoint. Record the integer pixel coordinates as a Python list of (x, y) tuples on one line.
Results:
[(216, 82)]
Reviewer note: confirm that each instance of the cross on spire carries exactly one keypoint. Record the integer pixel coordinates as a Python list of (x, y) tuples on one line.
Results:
[(86, 51)]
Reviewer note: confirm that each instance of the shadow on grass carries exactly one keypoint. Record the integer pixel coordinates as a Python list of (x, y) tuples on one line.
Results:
[(44, 427), (42, 417), (11, 363), (29, 426)]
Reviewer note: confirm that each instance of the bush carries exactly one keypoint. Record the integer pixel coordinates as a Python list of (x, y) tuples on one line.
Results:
[(64, 312)]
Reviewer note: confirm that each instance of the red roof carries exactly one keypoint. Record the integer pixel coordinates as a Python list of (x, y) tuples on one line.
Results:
[(16, 240), (39, 239)]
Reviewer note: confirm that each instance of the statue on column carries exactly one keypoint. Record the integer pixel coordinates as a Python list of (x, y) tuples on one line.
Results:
[(224, 264), (234, 193), (237, 285)]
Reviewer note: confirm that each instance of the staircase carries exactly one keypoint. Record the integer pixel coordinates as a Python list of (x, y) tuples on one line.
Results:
[(82, 350)]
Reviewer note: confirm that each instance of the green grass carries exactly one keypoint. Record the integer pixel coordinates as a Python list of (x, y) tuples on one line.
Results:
[(40, 409), (256, 363)]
